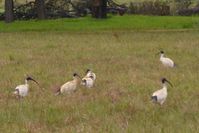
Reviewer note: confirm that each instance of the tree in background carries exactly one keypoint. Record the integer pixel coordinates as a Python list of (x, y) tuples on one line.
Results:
[(40, 5), (99, 8), (9, 14), (183, 4), (176, 5)]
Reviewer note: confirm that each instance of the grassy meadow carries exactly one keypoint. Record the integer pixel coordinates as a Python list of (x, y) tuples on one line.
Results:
[(122, 53), (127, 22), (127, 69)]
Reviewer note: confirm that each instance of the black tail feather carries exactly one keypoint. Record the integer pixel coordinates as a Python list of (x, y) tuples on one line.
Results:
[(154, 98)]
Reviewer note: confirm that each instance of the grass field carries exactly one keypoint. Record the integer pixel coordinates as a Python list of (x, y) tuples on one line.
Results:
[(121, 51), (127, 22), (127, 73)]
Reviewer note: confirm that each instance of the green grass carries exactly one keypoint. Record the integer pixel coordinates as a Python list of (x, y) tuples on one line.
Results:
[(1, 10), (121, 51), (127, 73), (115, 23)]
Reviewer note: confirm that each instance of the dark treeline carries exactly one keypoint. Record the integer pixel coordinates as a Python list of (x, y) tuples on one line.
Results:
[(48, 9), (42, 9)]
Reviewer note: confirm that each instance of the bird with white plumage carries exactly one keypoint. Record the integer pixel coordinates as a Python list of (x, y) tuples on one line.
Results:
[(167, 62), (89, 80), (70, 86), (90, 73), (160, 95), (22, 90)]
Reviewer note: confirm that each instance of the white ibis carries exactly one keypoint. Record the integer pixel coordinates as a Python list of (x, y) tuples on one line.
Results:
[(88, 81), (89, 73), (69, 86), (166, 61), (22, 90), (160, 96)]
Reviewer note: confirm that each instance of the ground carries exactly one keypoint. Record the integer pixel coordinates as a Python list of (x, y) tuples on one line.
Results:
[(128, 72)]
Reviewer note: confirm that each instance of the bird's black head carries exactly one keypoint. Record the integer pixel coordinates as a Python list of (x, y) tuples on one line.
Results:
[(29, 78), (88, 70), (161, 52), (75, 74), (164, 80)]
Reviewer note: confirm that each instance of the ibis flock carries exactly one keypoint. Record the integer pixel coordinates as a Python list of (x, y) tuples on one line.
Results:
[(88, 81)]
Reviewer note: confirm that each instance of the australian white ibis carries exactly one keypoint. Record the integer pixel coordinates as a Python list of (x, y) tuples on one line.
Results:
[(69, 86), (88, 81), (89, 73), (166, 61), (160, 96), (22, 90)]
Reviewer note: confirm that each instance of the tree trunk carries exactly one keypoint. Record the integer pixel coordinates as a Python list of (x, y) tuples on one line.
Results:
[(104, 6), (40, 4), (9, 15), (99, 8)]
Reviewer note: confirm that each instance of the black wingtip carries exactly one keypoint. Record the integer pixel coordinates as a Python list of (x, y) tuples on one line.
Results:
[(154, 98)]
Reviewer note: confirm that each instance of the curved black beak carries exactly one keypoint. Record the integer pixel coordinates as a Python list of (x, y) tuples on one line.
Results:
[(29, 78), (169, 82)]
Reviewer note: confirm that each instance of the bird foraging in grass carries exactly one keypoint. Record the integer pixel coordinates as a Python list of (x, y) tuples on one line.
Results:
[(89, 79), (88, 82), (160, 96), (22, 90), (167, 62), (69, 86), (89, 73)]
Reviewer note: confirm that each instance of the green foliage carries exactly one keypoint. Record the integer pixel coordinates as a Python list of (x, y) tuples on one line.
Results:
[(183, 4), (156, 7)]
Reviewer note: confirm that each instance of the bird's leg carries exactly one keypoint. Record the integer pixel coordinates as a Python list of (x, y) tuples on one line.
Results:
[(18, 97)]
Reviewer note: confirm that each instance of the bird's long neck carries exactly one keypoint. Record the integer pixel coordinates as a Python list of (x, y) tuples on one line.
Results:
[(88, 73), (26, 82), (161, 56), (164, 86)]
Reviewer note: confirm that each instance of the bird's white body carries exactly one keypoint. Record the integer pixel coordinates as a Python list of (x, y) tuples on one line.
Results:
[(89, 79), (90, 74), (22, 90), (88, 82), (161, 94), (166, 61), (70, 86)]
